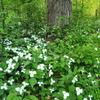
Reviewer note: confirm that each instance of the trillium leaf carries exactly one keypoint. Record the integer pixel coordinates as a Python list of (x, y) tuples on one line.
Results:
[(13, 96), (32, 81)]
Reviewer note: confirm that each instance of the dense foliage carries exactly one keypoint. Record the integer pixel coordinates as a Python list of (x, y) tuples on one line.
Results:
[(64, 66)]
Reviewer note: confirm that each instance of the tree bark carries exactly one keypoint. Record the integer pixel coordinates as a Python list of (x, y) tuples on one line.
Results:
[(59, 12)]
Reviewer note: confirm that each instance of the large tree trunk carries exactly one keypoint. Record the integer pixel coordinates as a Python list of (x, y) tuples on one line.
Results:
[(59, 12)]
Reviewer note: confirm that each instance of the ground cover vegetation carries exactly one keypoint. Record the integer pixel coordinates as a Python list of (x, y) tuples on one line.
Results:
[(41, 62)]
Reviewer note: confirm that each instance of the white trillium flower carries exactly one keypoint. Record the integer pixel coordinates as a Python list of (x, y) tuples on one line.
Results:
[(16, 58), (4, 87), (89, 75), (50, 66), (20, 54), (41, 66), (79, 90), (23, 70), (85, 99), (11, 81), (41, 56), (90, 97), (8, 70), (20, 90), (32, 73), (45, 58), (75, 79), (17, 73), (28, 56), (25, 84), (10, 67), (52, 81), (65, 95), (1, 69), (9, 61), (94, 81), (51, 89), (50, 73), (8, 48), (36, 47), (40, 83), (44, 51), (65, 56)]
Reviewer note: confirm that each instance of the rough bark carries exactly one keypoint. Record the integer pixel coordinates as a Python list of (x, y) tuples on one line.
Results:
[(59, 11)]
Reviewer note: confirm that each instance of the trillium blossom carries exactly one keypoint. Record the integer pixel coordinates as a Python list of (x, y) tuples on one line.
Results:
[(65, 56), (17, 73), (36, 47), (41, 66), (16, 58), (11, 81), (40, 83), (75, 79), (52, 81), (20, 54), (50, 73), (9, 61), (85, 99), (44, 51), (90, 97), (94, 81), (11, 66), (4, 87), (50, 66), (51, 89), (28, 56), (25, 84), (45, 58), (23, 70), (79, 90), (21, 90), (1, 69), (34, 37), (89, 75), (65, 95), (8, 48), (32, 73), (41, 56)]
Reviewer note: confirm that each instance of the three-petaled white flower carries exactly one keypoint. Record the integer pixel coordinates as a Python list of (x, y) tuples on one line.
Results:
[(1, 69), (79, 90), (4, 87), (32, 73), (65, 95), (75, 79), (11, 81), (52, 81), (28, 56), (41, 66), (40, 83)]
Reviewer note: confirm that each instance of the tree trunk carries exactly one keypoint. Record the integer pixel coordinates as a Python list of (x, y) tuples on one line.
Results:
[(59, 12)]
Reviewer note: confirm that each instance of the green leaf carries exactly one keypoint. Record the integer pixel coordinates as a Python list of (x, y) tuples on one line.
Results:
[(32, 81), (13, 96), (31, 97)]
